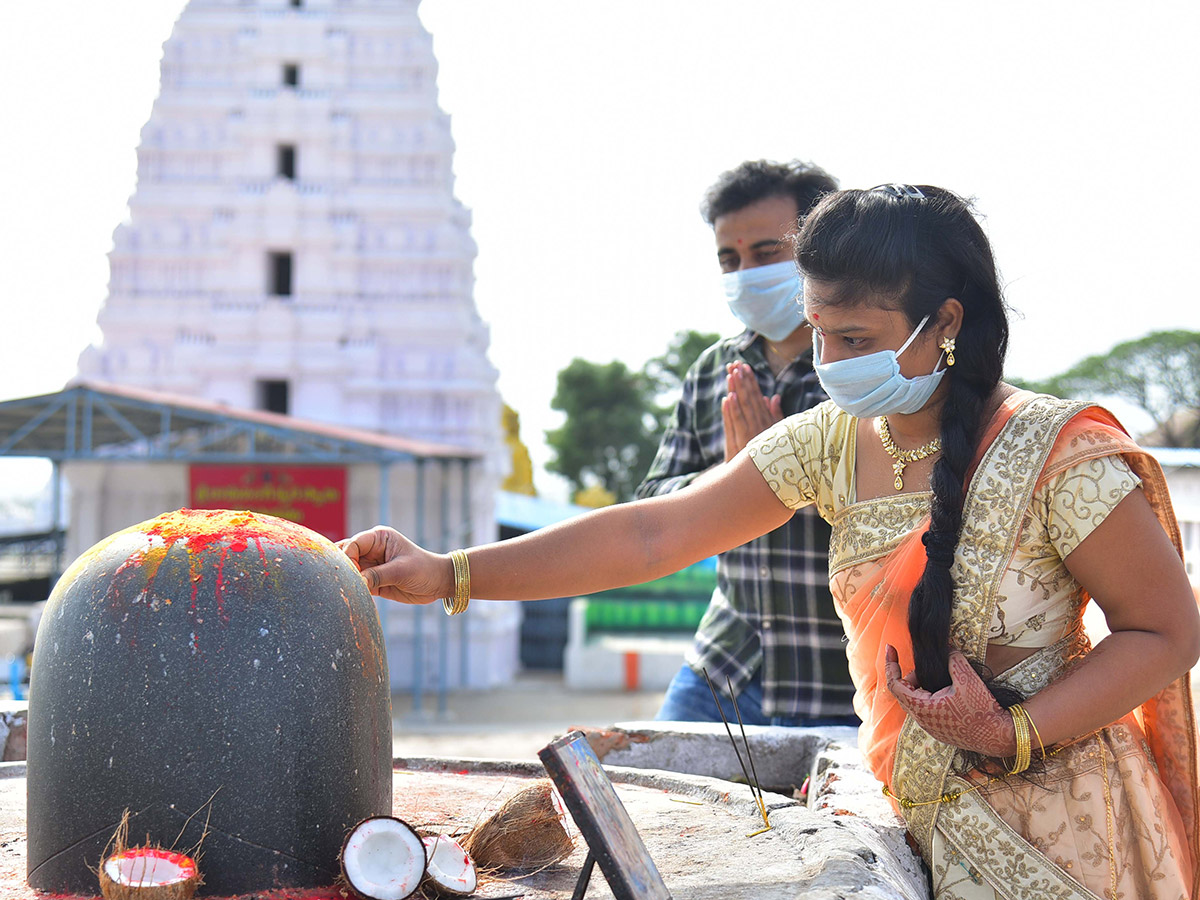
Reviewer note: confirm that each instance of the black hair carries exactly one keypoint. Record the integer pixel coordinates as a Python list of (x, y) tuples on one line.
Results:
[(758, 179), (917, 250)]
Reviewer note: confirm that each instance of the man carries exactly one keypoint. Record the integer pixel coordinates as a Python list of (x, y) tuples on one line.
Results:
[(771, 627)]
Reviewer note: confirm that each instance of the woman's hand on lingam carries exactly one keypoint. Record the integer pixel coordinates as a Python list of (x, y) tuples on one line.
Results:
[(964, 714), (395, 568)]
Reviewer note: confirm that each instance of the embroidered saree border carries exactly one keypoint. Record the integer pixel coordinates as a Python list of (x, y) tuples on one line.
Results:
[(1005, 479), (1012, 868), (857, 529)]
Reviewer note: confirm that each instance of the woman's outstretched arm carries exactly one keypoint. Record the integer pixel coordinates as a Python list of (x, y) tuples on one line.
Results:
[(612, 547)]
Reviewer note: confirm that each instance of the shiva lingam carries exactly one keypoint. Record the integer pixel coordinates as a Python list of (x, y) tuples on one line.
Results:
[(220, 675)]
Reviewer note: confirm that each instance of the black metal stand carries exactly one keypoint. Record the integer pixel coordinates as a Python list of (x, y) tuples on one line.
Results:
[(585, 876)]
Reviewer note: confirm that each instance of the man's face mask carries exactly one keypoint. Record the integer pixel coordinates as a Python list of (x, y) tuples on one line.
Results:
[(766, 298)]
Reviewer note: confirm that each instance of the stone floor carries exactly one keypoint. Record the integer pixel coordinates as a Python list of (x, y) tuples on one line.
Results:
[(510, 722)]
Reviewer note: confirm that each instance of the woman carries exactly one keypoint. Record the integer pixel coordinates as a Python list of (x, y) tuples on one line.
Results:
[(971, 524)]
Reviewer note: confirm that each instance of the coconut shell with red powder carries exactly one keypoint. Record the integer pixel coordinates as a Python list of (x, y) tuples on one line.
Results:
[(148, 873)]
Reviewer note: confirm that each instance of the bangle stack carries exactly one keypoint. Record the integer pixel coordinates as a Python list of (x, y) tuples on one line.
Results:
[(1023, 724), (1025, 731), (462, 584)]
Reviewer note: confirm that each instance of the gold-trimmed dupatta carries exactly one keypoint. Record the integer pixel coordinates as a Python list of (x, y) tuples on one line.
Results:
[(1031, 438)]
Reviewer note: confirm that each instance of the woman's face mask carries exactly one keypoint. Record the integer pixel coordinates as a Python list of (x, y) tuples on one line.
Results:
[(766, 299), (871, 385)]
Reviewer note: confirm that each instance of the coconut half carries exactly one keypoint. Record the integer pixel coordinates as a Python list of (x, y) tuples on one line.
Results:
[(527, 832), (383, 859), (448, 869), (148, 873)]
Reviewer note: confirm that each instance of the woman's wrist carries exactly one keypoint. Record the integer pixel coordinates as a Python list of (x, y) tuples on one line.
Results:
[(445, 576), (1009, 735)]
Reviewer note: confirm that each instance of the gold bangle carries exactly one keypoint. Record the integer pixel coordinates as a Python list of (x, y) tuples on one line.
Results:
[(1024, 743), (1036, 734), (462, 584)]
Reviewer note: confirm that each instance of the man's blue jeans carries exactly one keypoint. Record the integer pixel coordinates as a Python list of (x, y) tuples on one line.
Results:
[(689, 700)]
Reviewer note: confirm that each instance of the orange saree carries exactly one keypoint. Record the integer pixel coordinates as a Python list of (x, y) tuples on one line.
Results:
[(1155, 786)]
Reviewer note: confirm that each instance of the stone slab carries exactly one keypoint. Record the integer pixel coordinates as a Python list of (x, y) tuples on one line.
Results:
[(782, 757), (695, 828)]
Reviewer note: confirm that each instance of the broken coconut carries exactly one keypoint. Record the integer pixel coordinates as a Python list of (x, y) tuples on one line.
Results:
[(148, 873), (449, 870), (383, 859), (527, 832)]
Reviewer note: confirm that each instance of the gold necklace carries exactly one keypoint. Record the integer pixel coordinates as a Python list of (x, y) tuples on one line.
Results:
[(903, 457)]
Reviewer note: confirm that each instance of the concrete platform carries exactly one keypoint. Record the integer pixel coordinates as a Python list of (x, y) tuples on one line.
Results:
[(696, 829), (456, 764)]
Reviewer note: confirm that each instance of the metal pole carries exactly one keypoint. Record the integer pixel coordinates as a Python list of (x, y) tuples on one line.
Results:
[(464, 670), (444, 621), (385, 518), (56, 527), (418, 645)]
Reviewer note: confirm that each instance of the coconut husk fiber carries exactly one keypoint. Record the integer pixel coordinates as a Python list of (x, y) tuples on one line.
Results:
[(525, 833), (113, 890)]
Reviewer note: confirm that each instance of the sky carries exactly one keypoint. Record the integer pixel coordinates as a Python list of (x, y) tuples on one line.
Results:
[(587, 133)]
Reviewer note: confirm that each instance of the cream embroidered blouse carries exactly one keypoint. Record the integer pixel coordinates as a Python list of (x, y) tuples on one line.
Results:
[(809, 459)]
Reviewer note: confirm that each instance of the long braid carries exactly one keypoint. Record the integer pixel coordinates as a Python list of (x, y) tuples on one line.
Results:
[(929, 608), (980, 348)]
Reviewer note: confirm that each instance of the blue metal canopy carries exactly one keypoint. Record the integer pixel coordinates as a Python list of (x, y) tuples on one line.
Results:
[(88, 421)]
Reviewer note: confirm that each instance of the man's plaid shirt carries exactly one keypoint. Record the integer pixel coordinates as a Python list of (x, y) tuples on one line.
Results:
[(772, 607)]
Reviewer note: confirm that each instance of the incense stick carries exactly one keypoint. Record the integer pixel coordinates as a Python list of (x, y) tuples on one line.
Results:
[(762, 807), (751, 784)]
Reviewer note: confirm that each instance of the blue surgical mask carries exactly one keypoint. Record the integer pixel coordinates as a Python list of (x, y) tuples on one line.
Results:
[(766, 298), (871, 385)]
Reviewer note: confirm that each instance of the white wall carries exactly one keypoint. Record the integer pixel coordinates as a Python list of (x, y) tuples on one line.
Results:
[(1184, 485)]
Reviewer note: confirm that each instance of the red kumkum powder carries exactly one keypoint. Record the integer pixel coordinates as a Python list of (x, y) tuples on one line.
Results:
[(200, 529)]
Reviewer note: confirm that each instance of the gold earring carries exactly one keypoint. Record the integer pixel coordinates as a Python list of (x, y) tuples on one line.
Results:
[(947, 345)]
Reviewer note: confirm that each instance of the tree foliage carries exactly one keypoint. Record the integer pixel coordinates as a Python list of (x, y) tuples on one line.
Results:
[(1158, 373), (614, 418), (667, 371), (608, 436)]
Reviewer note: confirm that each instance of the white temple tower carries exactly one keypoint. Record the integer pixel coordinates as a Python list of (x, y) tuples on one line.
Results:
[(294, 242), (294, 245)]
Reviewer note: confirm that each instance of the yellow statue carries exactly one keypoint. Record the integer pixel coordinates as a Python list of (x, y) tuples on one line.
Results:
[(595, 496), (520, 479)]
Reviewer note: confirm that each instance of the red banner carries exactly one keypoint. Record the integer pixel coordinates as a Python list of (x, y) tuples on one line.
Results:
[(312, 496)]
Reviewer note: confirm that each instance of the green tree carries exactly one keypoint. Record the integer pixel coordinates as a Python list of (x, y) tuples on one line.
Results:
[(667, 371), (1158, 373), (614, 416), (608, 437)]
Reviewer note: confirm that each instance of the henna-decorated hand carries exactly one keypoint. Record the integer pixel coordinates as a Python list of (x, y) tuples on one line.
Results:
[(964, 715)]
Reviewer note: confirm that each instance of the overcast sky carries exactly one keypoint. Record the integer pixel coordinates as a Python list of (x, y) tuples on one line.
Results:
[(586, 134)]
